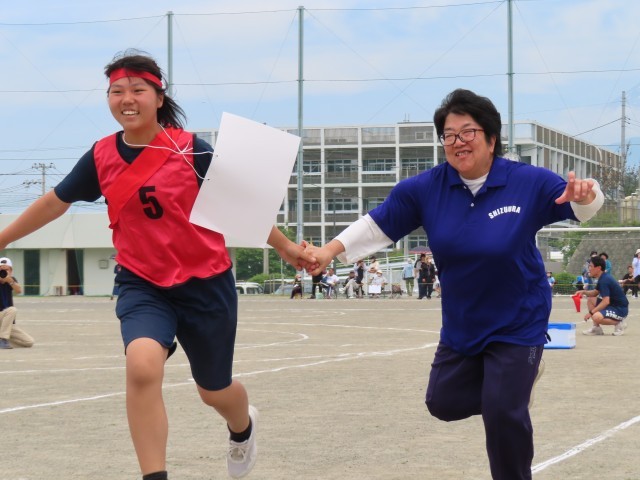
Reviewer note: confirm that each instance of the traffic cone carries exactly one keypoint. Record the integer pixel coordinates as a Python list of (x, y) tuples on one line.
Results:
[(576, 300)]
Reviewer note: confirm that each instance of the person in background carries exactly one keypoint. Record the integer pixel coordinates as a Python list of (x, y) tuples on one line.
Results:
[(437, 288), (481, 213), (607, 262), (418, 265), (150, 173), (635, 263), (10, 334), (611, 305), (377, 282), (316, 281), (296, 291), (408, 276), (551, 280), (373, 266), (351, 285), (360, 268), (330, 284), (591, 299), (627, 283), (589, 283), (427, 277)]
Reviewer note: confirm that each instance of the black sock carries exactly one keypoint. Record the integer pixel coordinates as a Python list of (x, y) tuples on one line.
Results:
[(242, 436), (156, 476)]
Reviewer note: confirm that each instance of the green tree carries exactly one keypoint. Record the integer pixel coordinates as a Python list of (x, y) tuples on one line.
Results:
[(630, 179), (250, 261), (570, 241)]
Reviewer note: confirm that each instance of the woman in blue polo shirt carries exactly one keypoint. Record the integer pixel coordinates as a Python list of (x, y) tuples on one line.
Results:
[(481, 213)]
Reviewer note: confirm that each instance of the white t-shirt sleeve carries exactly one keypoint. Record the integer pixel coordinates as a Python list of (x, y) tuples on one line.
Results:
[(360, 239), (586, 212)]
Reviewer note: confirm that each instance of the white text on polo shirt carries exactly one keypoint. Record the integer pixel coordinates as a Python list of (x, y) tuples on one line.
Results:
[(501, 210)]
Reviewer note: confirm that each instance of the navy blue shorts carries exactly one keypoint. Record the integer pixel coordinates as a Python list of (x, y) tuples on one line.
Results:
[(614, 313), (201, 313)]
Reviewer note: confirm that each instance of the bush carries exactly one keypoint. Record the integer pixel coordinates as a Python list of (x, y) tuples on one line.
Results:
[(563, 284)]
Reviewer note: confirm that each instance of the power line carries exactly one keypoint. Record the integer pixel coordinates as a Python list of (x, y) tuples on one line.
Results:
[(596, 128), (80, 22), (351, 80), (249, 12)]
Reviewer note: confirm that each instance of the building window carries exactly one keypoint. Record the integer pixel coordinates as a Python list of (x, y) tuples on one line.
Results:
[(417, 241), (416, 134), (342, 204), (372, 202), (311, 166), (379, 165), (312, 205), (341, 136), (417, 165), (342, 166), (378, 135)]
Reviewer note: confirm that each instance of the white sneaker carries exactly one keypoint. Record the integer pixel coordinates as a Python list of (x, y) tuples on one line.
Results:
[(242, 456), (620, 328), (538, 375), (597, 330)]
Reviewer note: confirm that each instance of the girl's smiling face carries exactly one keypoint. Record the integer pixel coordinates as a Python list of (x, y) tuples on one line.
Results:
[(134, 104)]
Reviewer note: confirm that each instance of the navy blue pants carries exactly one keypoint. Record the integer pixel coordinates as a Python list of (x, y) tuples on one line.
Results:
[(496, 384)]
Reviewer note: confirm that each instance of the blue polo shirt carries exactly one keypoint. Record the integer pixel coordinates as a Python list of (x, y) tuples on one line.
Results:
[(494, 284)]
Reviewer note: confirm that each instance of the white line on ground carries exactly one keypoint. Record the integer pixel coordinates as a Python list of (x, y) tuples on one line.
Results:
[(340, 358), (584, 445)]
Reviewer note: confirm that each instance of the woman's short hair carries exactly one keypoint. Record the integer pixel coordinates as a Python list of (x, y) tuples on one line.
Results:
[(481, 109)]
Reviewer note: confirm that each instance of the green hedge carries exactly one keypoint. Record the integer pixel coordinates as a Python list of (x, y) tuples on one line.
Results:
[(564, 284)]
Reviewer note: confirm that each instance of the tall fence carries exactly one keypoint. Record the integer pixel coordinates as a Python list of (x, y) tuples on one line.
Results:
[(568, 249)]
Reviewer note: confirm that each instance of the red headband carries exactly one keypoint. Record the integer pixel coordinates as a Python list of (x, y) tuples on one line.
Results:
[(125, 72)]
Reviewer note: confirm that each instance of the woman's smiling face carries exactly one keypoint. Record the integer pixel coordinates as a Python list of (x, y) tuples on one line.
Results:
[(472, 159)]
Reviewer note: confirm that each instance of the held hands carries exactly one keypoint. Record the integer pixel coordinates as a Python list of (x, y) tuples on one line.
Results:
[(293, 254), (579, 191), (297, 256), (322, 255)]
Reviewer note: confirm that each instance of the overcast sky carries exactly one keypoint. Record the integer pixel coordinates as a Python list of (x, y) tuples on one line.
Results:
[(365, 62)]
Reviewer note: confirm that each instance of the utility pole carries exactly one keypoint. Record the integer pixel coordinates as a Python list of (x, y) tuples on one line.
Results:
[(170, 54), (510, 77), (300, 169), (42, 181), (623, 142)]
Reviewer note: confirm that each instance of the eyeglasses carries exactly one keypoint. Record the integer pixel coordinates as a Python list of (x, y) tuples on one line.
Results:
[(467, 135)]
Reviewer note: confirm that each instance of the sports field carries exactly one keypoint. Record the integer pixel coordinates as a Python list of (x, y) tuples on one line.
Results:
[(340, 389)]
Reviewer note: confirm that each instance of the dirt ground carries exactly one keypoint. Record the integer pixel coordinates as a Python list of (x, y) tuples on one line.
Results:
[(340, 388)]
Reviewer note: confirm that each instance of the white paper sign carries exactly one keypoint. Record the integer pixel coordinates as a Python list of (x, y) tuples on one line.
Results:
[(247, 181)]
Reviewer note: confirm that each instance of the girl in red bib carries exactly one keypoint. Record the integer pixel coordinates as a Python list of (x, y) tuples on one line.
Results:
[(176, 279)]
